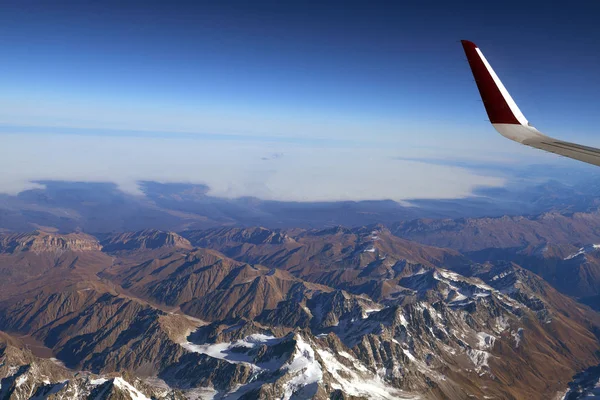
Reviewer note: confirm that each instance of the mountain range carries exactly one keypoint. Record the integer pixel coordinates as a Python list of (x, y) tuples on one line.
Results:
[(333, 313)]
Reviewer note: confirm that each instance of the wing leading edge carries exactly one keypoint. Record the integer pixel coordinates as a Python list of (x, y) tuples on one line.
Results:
[(509, 121)]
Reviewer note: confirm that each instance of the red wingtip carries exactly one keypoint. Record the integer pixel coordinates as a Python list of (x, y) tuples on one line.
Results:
[(469, 44), (495, 104)]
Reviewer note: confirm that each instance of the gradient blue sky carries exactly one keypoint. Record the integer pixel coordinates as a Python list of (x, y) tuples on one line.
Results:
[(334, 87)]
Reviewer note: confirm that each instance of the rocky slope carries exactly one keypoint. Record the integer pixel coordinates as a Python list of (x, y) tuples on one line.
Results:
[(573, 270), (366, 260), (455, 337), (561, 248), (26, 376), (396, 272), (30, 263), (253, 313)]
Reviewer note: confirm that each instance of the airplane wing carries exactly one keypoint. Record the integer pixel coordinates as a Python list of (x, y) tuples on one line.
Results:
[(509, 121)]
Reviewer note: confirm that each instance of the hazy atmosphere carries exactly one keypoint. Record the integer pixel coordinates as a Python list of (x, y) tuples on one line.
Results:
[(284, 101)]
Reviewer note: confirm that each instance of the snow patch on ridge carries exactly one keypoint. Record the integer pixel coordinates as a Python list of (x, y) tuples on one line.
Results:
[(132, 391), (486, 341), (479, 358), (305, 368), (517, 335), (21, 380), (583, 250), (372, 386), (227, 350)]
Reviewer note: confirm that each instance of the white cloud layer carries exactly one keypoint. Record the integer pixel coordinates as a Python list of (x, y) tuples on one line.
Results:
[(233, 168)]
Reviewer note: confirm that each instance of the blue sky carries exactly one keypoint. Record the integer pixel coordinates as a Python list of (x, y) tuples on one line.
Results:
[(334, 87)]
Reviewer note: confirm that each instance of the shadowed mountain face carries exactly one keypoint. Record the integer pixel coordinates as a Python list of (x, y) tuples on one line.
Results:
[(475, 234), (258, 313)]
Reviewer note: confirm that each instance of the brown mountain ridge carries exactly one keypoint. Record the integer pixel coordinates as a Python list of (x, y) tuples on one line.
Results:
[(255, 313)]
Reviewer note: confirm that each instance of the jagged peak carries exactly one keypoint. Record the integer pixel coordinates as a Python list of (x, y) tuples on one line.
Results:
[(252, 235), (261, 235), (145, 239), (335, 230), (371, 230)]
